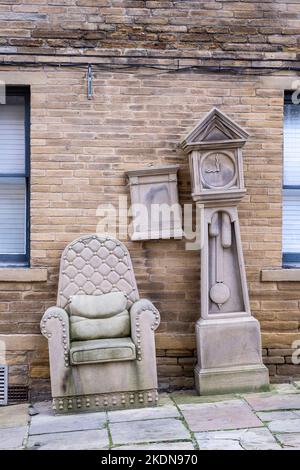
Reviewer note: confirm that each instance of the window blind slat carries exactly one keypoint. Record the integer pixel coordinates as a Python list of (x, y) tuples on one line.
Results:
[(13, 197), (291, 221), (291, 176), (12, 215), (12, 138)]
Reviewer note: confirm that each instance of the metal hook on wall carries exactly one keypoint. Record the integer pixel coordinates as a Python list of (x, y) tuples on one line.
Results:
[(90, 82)]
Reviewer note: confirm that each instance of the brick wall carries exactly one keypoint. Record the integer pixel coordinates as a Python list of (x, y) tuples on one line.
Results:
[(81, 148), (224, 25)]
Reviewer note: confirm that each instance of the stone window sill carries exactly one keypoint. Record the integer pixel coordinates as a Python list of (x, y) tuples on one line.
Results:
[(23, 274), (280, 275)]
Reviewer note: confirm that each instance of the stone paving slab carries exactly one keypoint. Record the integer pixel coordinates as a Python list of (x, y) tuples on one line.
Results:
[(42, 407), (274, 402), (229, 414), (243, 439), (143, 414), (41, 423), (12, 438), (285, 425), (219, 444), (165, 429), (164, 399), (179, 445), (266, 420), (190, 396), (284, 388), (289, 440), (77, 440), (13, 416), (266, 416)]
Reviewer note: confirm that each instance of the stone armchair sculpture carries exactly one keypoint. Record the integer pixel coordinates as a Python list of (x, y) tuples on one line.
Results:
[(102, 373)]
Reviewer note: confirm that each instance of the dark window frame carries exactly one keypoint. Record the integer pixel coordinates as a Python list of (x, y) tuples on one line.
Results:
[(16, 260), (290, 260)]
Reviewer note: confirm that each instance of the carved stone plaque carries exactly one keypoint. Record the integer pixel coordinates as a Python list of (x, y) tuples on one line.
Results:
[(154, 197)]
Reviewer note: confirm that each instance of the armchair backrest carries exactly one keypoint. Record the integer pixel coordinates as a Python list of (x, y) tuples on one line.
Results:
[(96, 265)]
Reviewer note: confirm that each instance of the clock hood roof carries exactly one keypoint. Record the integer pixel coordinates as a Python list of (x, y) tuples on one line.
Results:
[(215, 130)]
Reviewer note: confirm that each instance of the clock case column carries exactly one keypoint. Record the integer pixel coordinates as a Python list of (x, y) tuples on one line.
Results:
[(227, 335)]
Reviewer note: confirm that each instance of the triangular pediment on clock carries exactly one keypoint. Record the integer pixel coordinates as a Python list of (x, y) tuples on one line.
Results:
[(215, 130)]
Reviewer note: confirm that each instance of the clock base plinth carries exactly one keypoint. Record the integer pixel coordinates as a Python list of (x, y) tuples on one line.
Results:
[(231, 380), (229, 356)]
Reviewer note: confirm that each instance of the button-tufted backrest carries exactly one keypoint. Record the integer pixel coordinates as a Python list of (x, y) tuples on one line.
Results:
[(96, 265)]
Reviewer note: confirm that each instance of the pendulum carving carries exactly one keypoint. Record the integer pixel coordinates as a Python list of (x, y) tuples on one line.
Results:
[(220, 231)]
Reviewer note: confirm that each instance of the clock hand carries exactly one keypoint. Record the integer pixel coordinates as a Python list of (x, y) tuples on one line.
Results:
[(217, 165)]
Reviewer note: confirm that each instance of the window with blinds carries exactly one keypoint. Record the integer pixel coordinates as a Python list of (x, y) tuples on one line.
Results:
[(14, 177)]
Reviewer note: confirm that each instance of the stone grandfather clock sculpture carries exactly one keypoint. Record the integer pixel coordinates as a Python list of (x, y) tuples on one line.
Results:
[(228, 337)]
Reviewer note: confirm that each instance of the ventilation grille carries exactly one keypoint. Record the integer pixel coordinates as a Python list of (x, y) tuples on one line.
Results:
[(3, 385), (17, 394)]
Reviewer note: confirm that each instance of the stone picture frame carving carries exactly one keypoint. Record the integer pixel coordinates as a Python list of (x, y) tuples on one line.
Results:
[(155, 209)]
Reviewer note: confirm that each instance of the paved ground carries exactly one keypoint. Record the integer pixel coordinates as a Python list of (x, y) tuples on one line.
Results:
[(182, 421)]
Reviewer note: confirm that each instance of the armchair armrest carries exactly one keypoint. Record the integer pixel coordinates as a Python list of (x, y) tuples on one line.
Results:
[(145, 319), (55, 327)]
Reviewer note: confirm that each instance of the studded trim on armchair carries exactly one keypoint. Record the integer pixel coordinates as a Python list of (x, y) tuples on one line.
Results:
[(96, 265)]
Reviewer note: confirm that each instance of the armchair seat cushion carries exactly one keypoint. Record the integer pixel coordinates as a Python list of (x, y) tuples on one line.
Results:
[(97, 306), (102, 350), (83, 329), (99, 316)]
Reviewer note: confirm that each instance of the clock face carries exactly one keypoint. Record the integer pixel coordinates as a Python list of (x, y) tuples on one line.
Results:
[(218, 170)]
